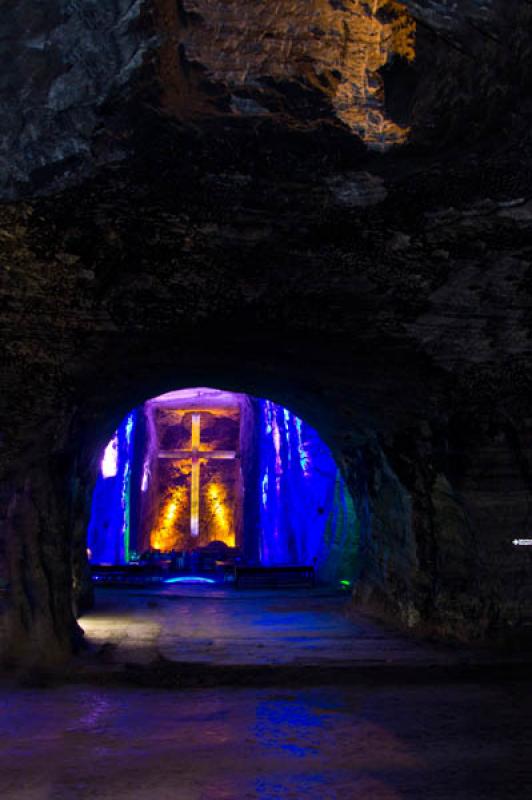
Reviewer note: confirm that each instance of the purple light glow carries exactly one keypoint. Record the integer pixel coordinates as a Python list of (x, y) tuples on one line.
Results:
[(145, 477)]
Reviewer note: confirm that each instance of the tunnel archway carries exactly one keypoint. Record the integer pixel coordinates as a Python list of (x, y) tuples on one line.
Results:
[(274, 249), (198, 477), (408, 562)]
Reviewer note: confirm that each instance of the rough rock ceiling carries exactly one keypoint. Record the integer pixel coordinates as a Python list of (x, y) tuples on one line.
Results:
[(76, 73), (336, 48)]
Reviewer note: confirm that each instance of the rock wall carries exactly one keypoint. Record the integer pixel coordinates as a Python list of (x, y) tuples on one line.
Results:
[(323, 57), (61, 62), (79, 77), (437, 554)]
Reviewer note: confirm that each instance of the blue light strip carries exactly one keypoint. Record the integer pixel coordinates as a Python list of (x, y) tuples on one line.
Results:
[(306, 513), (109, 526)]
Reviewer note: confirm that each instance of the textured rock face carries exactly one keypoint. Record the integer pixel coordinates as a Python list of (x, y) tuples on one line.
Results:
[(333, 49), (386, 298), (68, 67), (61, 62), (75, 70)]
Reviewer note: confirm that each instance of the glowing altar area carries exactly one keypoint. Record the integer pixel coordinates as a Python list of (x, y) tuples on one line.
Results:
[(202, 470)]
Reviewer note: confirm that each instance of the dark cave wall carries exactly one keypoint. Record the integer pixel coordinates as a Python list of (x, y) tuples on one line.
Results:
[(489, 495), (61, 62), (40, 623), (439, 554), (385, 299)]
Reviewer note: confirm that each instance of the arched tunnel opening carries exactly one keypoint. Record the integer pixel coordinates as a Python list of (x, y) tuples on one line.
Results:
[(219, 496), (331, 473), (308, 483), (200, 476), (404, 515)]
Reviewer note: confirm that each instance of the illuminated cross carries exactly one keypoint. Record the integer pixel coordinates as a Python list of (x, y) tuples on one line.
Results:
[(195, 454)]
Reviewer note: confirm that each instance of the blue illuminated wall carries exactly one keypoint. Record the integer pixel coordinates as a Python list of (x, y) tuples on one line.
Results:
[(110, 525), (298, 509), (307, 516)]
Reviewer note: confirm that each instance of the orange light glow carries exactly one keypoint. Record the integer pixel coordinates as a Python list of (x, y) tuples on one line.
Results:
[(370, 44), (164, 536), (221, 512), (338, 48)]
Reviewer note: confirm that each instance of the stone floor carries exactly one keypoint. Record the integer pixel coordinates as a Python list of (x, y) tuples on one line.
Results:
[(388, 743), (259, 735), (228, 627)]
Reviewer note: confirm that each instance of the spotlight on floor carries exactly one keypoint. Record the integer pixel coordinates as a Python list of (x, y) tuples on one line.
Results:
[(189, 579)]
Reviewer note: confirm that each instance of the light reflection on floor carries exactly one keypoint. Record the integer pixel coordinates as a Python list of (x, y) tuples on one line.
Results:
[(211, 625), (395, 743)]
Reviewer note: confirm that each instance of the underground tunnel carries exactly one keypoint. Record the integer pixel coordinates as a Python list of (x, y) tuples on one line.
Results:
[(266, 380)]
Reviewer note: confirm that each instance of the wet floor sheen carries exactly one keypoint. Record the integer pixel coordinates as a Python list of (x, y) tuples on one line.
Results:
[(452, 743), (231, 627)]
